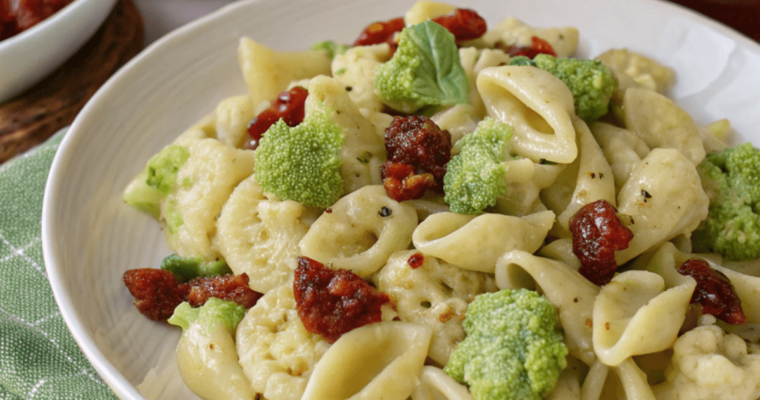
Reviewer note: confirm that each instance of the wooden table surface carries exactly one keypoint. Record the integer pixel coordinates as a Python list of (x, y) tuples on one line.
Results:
[(34, 116)]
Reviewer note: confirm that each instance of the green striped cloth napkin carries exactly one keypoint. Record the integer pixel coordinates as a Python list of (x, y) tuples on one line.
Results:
[(39, 358)]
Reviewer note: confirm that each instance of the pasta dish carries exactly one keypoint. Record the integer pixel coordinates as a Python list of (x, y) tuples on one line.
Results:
[(445, 210)]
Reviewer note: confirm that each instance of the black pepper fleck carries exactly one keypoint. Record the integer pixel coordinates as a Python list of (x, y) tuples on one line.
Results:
[(384, 212), (349, 88), (646, 194)]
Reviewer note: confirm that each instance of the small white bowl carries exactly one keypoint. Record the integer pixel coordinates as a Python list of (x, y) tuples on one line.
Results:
[(34, 53), (90, 237)]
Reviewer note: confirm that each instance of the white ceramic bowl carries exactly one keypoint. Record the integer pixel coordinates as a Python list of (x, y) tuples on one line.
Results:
[(32, 54), (91, 237)]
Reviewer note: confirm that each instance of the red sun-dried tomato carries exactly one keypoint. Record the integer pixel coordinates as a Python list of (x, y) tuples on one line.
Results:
[(538, 46), (463, 23), (331, 303), (597, 233), (416, 260), (157, 293), (418, 151), (381, 32), (226, 287), (289, 106), (714, 291)]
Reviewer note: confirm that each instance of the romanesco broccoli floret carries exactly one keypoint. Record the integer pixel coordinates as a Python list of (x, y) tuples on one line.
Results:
[(185, 269), (331, 48), (475, 177), (731, 179), (302, 163), (590, 82), (209, 315), (513, 348), (425, 71)]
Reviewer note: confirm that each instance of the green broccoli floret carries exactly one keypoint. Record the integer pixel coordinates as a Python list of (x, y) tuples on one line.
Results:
[(209, 315), (302, 163), (157, 180), (513, 348), (475, 177), (331, 48), (425, 71), (185, 269), (731, 179), (590, 82)]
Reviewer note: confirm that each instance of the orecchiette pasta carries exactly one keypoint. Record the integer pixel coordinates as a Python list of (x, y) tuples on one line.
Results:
[(209, 364), (476, 242), (622, 149), (435, 294), (474, 61), (634, 314), (267, 72), (522, 198), (259, 237), (361, 146), (569, 291), (436, 385), (375, 361), (206, 181), (424, 10), (569, 384), (458, 120), (355, 70), (353, 235), (512, 31), (276, 352), (232, 118), (537, 105), (664, 196), (662, 124)]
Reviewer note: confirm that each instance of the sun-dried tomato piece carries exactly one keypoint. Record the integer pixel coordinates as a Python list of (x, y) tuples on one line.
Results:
[(416, 260), (225, 287), (714, 291), (538, 46), (418, 151), (331, 303), (289, 106), (463, 23), (381, 32), (597, 233), (157, 293)]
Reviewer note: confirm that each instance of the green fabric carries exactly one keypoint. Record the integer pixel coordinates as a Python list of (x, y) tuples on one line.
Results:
[(39, 358)]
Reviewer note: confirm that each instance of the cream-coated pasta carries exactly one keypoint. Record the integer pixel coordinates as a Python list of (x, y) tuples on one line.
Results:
[(436, 385), (476, 242), (259, 236), (513, 32), (474, 61), (233, 115), (537, 105), (435, 294), (622, 149), (354, 235), (375, 361), (355, 69)]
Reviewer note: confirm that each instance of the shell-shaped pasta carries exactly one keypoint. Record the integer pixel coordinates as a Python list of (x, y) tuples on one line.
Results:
[(537, 105), (664, 196), (376, 361), (591, 183), (260, 237), (626, 381), (424, 10), (622, 149), (522, 198), (356, 69), (267, 72), (354, 236), (276, 352), (436, 385), (209, 365), (571, 293), (662, 124), (561, 250), (512, 31), (435, 294), (233, 115), (473, 61), (459, 120), (476, 242), (634, 315), (206, 182), (635, 70), (362, 144), (568, 386)]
